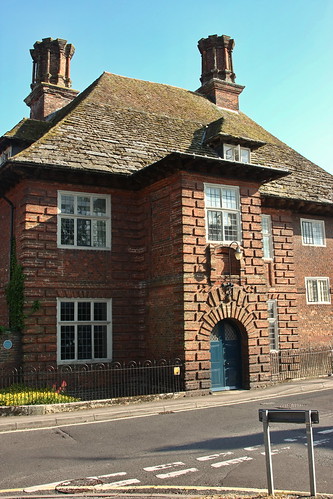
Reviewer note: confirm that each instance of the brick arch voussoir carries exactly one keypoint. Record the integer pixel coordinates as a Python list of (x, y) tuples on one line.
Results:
[(240, 309)]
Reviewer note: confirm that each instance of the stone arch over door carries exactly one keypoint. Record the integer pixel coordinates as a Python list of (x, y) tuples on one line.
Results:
[(242, 313)]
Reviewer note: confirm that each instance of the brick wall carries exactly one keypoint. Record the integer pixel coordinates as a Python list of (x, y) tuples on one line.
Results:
[(205, 269), (52, 272), (165, 280), (315, 321)]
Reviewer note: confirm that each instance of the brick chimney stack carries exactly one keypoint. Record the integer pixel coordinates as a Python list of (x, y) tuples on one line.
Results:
[(218, 77), (50, 87)]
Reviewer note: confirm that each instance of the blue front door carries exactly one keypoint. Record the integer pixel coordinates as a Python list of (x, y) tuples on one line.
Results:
[(225, 349)]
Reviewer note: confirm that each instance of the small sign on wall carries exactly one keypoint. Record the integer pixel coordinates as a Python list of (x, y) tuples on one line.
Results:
[(7, 344)]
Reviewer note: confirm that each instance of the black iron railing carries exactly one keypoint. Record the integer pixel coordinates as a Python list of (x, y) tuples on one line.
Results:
[(302, 363), (90, 381)]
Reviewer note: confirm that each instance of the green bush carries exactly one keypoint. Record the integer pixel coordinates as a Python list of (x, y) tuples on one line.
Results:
[(24, 395)]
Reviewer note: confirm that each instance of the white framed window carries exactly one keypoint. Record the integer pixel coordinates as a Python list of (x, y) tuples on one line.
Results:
[(267, 238), (317, 290), (84, 330), (222, 206), (273, 329), (84, 220), (236, 153), (6, 153), (313, 232)]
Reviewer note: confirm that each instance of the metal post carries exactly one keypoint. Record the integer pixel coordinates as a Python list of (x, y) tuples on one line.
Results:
[(309, 436), (268, 454)]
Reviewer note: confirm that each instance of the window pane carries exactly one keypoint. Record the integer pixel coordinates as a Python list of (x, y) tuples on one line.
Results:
[(67, 343), (213, 197), (67, 204), (264, 225), (266, 247), (271, 309), (100, 311), (67, 231), (84, 342), (272, 336), (312, 290), (99, 206), (318, 236), (83, 205), (67, 311), (245, 155), (229, 152), (215, 230), (230, 222), (323, 291), (229, 199), (100, 342), (307, 232), (99, 233), (83, 311), (83, 232)]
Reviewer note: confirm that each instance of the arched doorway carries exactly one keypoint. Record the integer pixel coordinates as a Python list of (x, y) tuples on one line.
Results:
[(226, 360)]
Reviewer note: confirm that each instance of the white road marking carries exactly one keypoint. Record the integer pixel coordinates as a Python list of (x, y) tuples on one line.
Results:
[(164, 466), (231, 462), (214, 456), (325, 431), (174, 474), (277, 451), (290, 439), (45, 486), (320, 442), (121, 473), (121, 483), (254, 447)]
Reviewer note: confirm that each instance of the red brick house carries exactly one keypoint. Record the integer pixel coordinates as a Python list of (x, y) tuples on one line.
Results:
[(128, 204)]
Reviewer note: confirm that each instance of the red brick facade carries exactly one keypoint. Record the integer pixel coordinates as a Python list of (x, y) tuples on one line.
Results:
[(164, 279)]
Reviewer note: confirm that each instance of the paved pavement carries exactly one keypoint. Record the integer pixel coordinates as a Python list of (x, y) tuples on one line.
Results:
[(181, 402)]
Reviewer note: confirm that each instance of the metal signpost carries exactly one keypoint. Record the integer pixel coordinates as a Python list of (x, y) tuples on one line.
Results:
[(288, 416)]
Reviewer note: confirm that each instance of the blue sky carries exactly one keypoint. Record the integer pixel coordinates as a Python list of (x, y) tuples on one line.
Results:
[(283, 55)]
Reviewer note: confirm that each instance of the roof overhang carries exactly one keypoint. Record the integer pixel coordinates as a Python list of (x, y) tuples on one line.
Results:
[(217, 167), (12, 171), (298, 205)]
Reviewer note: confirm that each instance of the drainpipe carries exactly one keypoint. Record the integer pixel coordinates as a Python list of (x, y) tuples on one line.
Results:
[(11, 231)]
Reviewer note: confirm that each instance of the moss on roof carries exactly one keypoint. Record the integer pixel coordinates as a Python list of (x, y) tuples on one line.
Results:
[(120, 125), (28, 130)]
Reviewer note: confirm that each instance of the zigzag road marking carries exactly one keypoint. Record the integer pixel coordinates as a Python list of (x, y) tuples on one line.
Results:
[(276, 451), (213, 456), (323, 432), (164, 466), (320, 442), (230, 462), (121, 473), (121, 483), (45, 486), (174, 474)]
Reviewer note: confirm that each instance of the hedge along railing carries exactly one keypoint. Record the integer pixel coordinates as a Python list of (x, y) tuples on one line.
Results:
[(93, 381), (303, 363)]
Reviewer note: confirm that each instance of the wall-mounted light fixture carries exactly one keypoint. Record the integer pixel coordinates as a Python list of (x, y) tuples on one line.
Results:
[(238, 253)]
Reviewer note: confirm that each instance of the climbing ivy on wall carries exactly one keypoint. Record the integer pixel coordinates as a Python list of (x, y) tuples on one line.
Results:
[(15, 292)]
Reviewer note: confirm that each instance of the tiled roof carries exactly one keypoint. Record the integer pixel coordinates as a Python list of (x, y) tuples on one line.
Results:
[(120, 125), (28, 130)]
